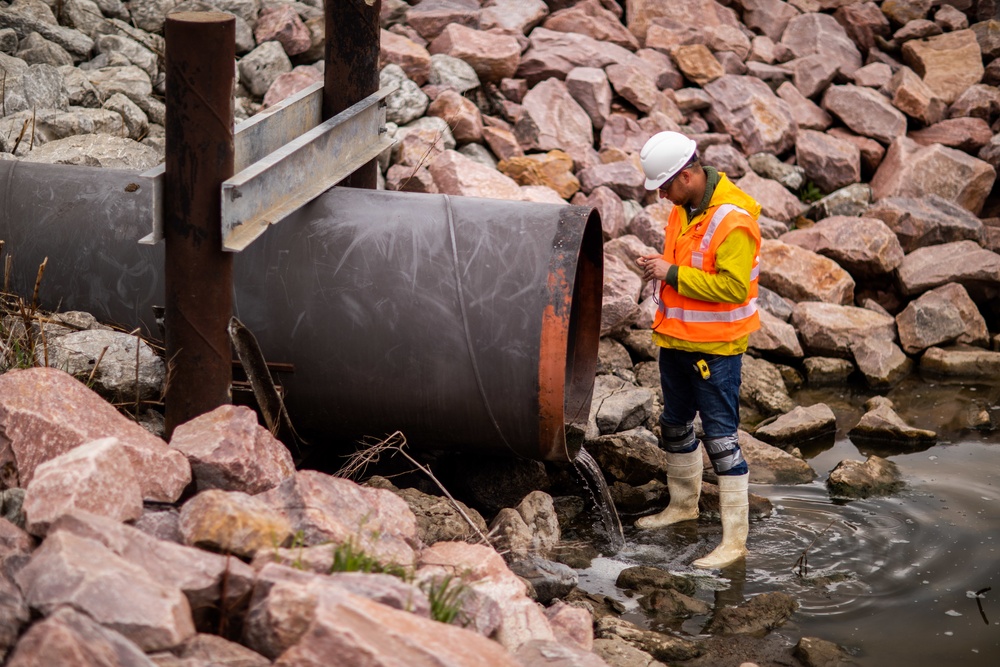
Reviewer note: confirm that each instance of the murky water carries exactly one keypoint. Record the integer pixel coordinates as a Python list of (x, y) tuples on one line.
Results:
[(895, 580)]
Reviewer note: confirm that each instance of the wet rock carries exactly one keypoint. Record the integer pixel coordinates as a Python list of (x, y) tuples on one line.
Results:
[(865, 247), (408, 103), (95, 477), (942, 315), (667, 648), (456, 174), (671, 606), (560, 120), (926, 220), (915, 98), (618, 405), (34, 405), (549, 580), (438, 519), (232, 522), (775, 336), (775, 200), (573, 626), (540, 653), (96, 150), (229, 450), (69, 637), (485, 573), (331, 509), (757, 616), (555, 54), (965, 134), (70, 570), (594, 20), (822, 371), (632, 456), (771, 465), (881, 362), (960, 261), (747, 109), (854, 479), (799, 274), (830, 329), (947, 63), (911, 170), (881, 423), (644, 579), (619, 653), (493, 56), (815, 652), (961, 361), (829, 162), (762, 387), (852, 200), (799, 425), (866, 112)]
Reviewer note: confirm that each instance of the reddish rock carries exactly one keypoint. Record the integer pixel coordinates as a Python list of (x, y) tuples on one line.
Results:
[(513, 15), (555, 54), (332, 509), (926, 221), (726, 159), (561, 122), (820, 34), (802, 275), (769, 17), (203, 577), (461, 114), (611, 209), (947, 63), (727, 38), (667, 76), (697, 63), (775, 200), (866, 247), (911, 170), (745, 108), (591, 89), (775, 336), (978, 101), (493, 56), (829, 162), (624, 133), (942, 315), (863, 22), (430, 17), (591, 18), (95, 477), (502, 142), (812, 74), (881, 362), (553, 169), (950, 18), (572, 626), (988, 35), (916, 29), (69, 637), (289, 83), (624, 178), (214, 650), (282, 24), (871, 151), (649, 223), (832, 330), (915, 98), (620, 298), (690, 16), (965, 134), (866, 112), (232, 522), (456, 174), (409, 179), (541, 194), (419, 147), (412, 57), (86, 575), (874, 75), (45, 412), (632, 83), (807, 114), (957, 262)]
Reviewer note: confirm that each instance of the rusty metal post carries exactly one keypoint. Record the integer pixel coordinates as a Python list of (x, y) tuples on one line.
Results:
[(200, 57), (351, 54)]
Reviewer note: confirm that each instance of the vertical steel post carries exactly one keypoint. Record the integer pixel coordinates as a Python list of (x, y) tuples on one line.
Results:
[(351, 54), (200, 57)]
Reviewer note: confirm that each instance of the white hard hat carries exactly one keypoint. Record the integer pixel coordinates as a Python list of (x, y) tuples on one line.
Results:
[(665, 154)]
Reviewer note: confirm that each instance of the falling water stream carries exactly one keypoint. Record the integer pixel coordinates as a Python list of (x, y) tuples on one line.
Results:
[(600, 495), (912, 579)]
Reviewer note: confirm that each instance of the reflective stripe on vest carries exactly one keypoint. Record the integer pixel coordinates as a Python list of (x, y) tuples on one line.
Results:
[(713, 316), (698, 256)]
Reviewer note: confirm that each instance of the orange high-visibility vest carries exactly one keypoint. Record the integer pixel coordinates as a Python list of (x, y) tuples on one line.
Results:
[(707, 321)]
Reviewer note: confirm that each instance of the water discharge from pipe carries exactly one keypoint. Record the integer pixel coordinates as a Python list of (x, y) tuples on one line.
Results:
[(587, 467)]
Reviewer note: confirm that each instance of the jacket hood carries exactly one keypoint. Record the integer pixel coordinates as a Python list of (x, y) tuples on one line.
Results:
[(726, 192)]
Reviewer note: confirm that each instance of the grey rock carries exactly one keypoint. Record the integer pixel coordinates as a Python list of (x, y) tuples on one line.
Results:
[(12, 506), (548, 579), (47, 125), (73, 41), (942, 315), (83, 15), (619, 653), (830, 329), (612, 356), (131, 81), (799, 425), (855, 479), (97, 150), (260, 67), (632, 456), (35, 50), (479, 153), (881, 362), (815, 652), (767, 165), (775, 336), (8, 41), (774, 303), (134, 119), (770, 465), (827, 370), (851, 200), (618, 405), (759, 614), (150, 15), (408, 103), (927, 220), (80, 90), (865, 247), (451, 72), (882, 423), (664, 647), (137, 54), (763, 388), (30, 87)]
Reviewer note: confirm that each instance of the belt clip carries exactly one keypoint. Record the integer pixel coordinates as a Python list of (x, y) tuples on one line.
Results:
[(702, 367)]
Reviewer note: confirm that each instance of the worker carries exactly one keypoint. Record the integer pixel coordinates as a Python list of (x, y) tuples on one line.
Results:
[(707, 309)]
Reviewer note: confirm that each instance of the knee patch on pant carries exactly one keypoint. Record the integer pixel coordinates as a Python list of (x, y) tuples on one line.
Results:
[(726, 455), (678, 439)]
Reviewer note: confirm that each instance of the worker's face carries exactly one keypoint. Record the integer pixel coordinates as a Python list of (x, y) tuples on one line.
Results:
[(676, 188)]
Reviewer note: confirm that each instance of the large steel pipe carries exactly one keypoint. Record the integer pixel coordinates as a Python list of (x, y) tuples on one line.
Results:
[(468, 323)]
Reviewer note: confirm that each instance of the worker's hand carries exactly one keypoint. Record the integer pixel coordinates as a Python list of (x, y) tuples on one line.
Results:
[(654, 267)]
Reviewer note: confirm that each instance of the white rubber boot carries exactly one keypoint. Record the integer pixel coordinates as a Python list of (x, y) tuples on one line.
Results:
[(684, 484), (734, 506)]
